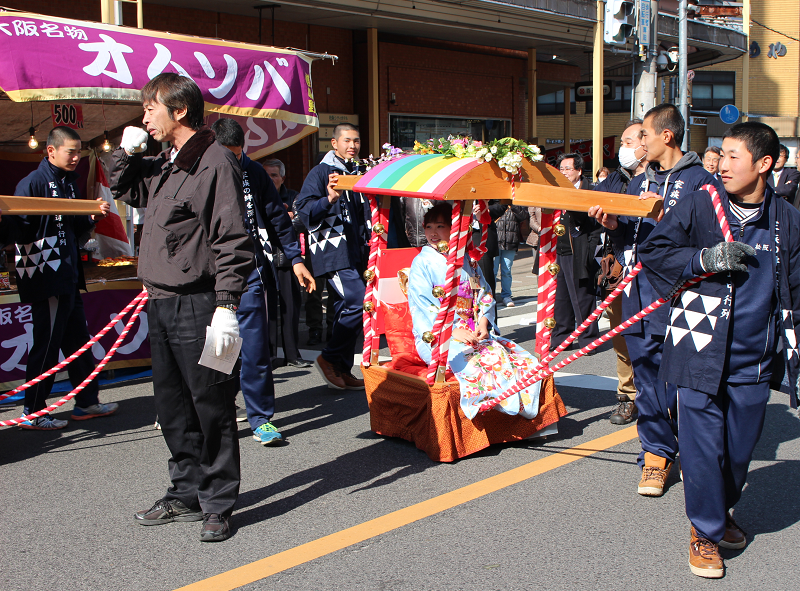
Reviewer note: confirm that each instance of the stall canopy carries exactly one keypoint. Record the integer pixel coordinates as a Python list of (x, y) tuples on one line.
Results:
[(54, 59)]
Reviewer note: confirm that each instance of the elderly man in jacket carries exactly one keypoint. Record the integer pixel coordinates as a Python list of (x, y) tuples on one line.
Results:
[(194, 260)]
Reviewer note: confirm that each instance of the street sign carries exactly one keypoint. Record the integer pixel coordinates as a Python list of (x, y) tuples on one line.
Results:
[(585, 90), (729, 114), (644, 22)]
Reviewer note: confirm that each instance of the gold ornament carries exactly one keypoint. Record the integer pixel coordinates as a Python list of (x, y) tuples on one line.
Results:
[(369, 275), (443, 246), (553, 268), (378, 228), (427, 337), (550, 322), (559, 229), (438, 291), (368, 307)]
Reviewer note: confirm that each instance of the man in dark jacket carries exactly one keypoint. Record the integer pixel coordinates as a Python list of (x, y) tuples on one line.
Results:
[(265, 216), (338, 229), (508, 237), (575, 252), (50, 277), (195, 259), (784, 180), (669, 174)]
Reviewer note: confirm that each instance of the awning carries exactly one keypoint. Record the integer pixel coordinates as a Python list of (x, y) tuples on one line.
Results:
[(54, 59)]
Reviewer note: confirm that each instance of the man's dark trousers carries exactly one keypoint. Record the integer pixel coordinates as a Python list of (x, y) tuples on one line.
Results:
[(258, 388), (348, 324), (285, 309), (59, 323), (195, 405), (655, 400), (718, 435), (575, 301)]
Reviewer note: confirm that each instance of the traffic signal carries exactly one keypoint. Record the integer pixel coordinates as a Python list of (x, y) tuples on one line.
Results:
[(619, 22)]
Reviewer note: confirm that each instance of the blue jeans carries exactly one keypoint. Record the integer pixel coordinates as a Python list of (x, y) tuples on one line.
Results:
[(507, 259)]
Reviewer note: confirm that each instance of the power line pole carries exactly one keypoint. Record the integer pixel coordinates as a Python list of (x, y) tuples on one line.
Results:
[(683, 68), (645, 72)]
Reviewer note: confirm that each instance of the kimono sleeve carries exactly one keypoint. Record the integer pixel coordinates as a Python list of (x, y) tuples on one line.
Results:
[(422, 305)]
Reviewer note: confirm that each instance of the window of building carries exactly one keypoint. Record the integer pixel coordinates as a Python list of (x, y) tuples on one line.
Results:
[(553, 103), (404, 129), (619, 103), (713, 90)]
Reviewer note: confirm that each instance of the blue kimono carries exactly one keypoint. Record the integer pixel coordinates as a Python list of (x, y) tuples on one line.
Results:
[(483, 372)]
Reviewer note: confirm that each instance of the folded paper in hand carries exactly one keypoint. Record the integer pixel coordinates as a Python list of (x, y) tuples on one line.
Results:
[(227, 361)]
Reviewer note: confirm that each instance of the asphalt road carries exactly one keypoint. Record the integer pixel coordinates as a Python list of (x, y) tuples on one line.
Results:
[(69, 497)]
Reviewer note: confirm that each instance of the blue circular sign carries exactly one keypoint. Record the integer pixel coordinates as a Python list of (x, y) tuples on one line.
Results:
[(729, 114)]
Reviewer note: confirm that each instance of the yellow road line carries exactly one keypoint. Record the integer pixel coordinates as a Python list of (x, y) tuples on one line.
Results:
[(266, 567)]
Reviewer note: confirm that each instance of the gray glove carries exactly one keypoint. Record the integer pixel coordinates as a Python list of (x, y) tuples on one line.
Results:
[(726, 256)]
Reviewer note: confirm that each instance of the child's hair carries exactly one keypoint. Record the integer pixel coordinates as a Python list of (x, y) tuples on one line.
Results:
[(441, 211), (759, 138)]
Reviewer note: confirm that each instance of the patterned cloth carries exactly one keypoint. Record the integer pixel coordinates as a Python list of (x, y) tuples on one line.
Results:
[(483, 372)]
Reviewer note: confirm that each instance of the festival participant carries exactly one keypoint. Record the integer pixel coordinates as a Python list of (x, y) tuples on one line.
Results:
[(50, 277), (669, 174), (194, 260), (484, 363), (337, 238), (268, 224), (731, 336)]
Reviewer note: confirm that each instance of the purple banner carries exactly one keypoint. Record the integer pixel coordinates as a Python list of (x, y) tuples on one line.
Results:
[(47, 58)]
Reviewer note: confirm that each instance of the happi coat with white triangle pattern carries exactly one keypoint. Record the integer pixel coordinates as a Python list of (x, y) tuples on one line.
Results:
[(47, 246), (698, 341)]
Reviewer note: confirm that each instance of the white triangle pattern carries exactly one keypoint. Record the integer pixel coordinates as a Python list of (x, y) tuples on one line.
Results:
[(700, 340), (710, 303)]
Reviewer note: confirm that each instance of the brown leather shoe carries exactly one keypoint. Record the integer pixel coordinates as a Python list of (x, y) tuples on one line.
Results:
[(704, 558), (654, 475), (626, 412), (351, 382), (734, 538), (330, 374)]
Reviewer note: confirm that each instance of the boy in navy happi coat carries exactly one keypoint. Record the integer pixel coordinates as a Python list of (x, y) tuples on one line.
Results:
[(731, 336)]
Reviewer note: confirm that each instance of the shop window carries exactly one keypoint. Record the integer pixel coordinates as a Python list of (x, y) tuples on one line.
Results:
[(553, 103), (404, 129), (713, 90)]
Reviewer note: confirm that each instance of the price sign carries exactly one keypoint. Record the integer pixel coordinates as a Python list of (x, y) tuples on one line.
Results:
[(68, 115)]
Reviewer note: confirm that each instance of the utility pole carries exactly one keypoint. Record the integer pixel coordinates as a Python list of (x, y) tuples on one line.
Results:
[(645, 73), (683, 69)]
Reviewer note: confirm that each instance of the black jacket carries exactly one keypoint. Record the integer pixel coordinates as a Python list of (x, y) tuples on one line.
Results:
[(508, 236), (787, 183), (194, 239), (581, 239), (47, 246)]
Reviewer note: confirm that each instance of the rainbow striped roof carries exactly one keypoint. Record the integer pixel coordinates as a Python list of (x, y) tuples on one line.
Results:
[(427, 176)]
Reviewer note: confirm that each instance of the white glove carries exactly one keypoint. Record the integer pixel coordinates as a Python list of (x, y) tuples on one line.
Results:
[(134, 139), (225, 329)]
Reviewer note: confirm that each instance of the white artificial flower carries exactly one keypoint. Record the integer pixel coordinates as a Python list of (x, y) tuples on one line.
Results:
[(494, 150), (488, 157)]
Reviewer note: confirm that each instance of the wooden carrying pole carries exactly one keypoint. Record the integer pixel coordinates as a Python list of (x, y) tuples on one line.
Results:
[(47, 206)]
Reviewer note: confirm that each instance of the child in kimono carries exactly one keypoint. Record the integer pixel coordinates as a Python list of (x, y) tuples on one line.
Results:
[(484, 363)]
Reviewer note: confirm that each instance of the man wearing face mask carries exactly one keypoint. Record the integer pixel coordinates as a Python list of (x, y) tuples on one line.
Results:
[(631, 163)]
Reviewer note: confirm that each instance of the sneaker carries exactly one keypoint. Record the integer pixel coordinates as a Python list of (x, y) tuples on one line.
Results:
[(167, 511), (351, 382), (508, 302), (267, 434), (241, 414), (330, 374), (626, 413), (216, 528), (704, 558), (654, 475), (94, 411), (45, 423), (735, 537)]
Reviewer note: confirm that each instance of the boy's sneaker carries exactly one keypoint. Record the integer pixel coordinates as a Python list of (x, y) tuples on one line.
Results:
[(267, 434), (94, 411), (45, 423), (241, 414), (704, 558), (167, 511), (734, 538), (654, 475), (509, 303)]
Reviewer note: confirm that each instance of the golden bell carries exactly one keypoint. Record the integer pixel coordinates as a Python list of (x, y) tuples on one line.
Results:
[(369, 275), (443, 246), (427, 337), (554, 268), (550, 322), (559, 229), (368, 306), (438, 291), (378, 228)]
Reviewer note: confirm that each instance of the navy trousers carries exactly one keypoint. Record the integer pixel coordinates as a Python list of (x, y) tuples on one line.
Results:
[(347, 325), (59, 323), (718, 435), (656, 401), (258, 388)]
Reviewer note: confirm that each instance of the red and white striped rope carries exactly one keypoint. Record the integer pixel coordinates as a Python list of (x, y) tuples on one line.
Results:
[(546, 294), (371, 291), (90, 377), (484, 219), (77, 353), (720, 213)]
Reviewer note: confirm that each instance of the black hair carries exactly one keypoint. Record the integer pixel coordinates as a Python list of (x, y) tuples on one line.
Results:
[(667, 116), (229, 132), (714, 149), (59, 135), (337, 131), (577, 160), (783, 149), (441, 211), (176, 92), (634, 121), (759, 139)]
